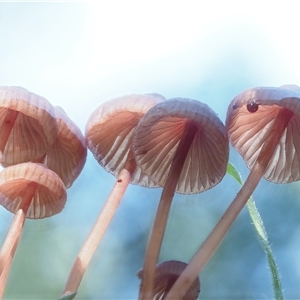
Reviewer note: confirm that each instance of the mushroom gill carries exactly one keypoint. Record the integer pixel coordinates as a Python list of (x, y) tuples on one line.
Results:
[(182, 145), (263, 125)]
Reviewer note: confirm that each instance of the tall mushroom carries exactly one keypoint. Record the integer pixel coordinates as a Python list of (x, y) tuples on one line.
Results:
[(166, 273), (182, 145), (28, 190), (109, 137), (27, 125), (263, 125)]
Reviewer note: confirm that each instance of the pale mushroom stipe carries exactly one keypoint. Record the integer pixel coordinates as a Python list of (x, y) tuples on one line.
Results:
[(109, 137), (29, 190), (262, 124), (182, 145)]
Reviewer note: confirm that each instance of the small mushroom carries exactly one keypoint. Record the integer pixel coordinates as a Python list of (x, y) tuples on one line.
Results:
[(166, 273), (67, 155), (109, 137), (28, 190), (27, 126), (183, 146), (263, 125)]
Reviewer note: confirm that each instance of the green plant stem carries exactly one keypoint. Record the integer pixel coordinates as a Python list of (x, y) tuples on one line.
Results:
[(262, 236), (212, 242)]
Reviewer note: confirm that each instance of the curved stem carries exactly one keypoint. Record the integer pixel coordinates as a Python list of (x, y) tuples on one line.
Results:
[(212, 242), (83, 258), (209, 246), (160, 221)]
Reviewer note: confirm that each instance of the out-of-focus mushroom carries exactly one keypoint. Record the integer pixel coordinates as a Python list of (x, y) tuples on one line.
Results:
[(166, 273), (67, 155), (109, 137), (27, 126), (263, 125), (28, 190), (183, 146)]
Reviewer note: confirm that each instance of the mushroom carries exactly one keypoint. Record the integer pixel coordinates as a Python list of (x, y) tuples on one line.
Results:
[(28, 190), (183, 146), (27, 126), (109, 136), (67, 155), (263, 125), (166, 273)]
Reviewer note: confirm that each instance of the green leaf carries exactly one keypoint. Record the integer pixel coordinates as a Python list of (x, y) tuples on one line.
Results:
[(262, 236)]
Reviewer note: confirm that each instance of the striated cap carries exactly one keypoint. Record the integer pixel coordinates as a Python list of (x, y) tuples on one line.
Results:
[(41, 189), (250, 123), (27, 125), (158, 134), (109, 132), (67, 155)]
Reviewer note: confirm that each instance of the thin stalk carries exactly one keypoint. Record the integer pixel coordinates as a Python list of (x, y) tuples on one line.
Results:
[(212, 242), (159, 225), (13, 236), (83, 258), (5, 272)]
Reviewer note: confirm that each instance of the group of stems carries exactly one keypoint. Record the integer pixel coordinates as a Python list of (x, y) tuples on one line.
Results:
[(156, 236), (161, 217), (212, 242)]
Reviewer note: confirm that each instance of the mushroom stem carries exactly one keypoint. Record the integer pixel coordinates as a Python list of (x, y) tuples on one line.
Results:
[(83, 258), (212, 242), (5, 271), (159, 224), (13, 236), (5, 130)]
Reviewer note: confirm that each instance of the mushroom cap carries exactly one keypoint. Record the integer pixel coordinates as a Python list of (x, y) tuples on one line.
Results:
[(67, 155), (248, 131), (109, 132), (34, 129), (166, 273), (49, 198), (158, 134)]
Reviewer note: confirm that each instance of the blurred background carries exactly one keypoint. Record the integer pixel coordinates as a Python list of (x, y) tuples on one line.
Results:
[(78, 55)]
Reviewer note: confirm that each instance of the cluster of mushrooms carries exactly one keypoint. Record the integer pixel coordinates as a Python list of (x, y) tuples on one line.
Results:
[(178, 144), (42, 151)]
